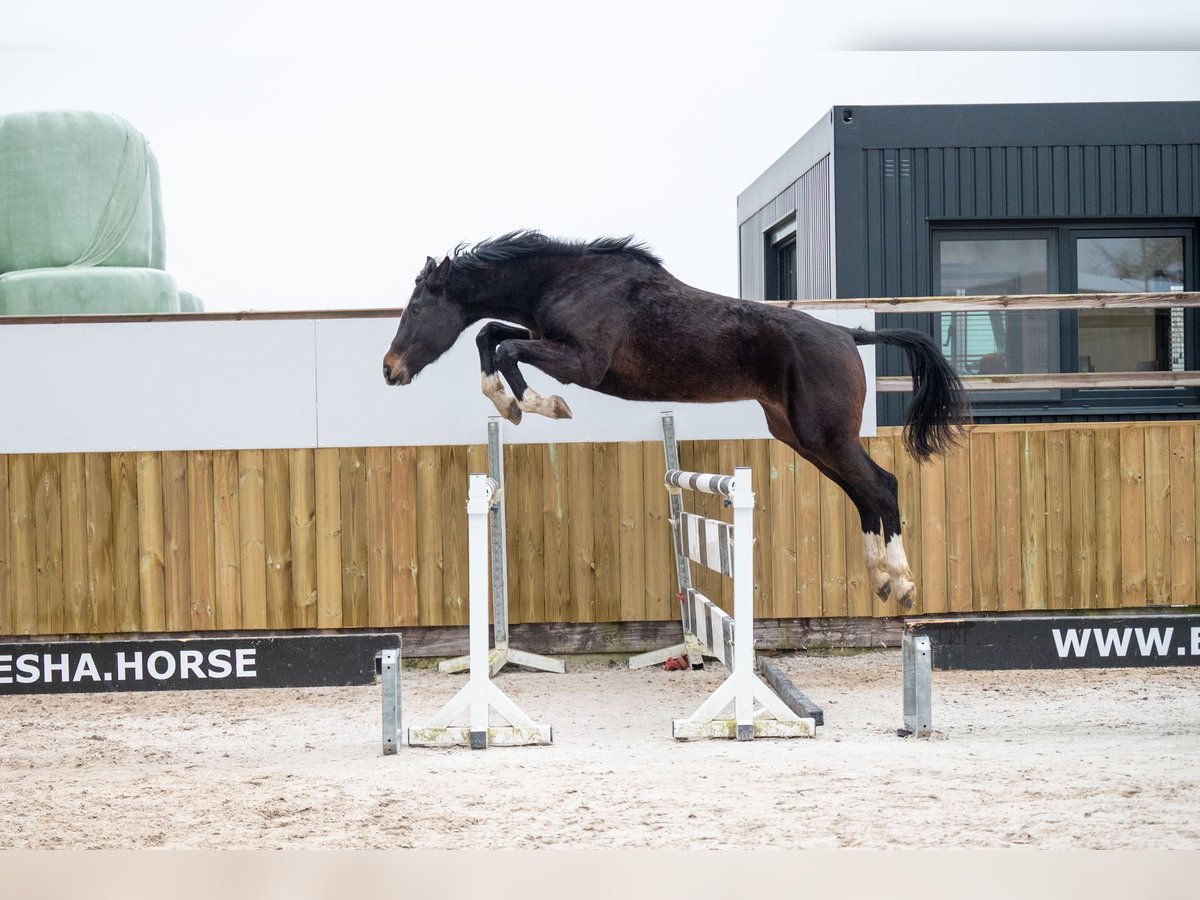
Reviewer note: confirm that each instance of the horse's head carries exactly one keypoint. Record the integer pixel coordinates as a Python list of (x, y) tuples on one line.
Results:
[(429, 325)]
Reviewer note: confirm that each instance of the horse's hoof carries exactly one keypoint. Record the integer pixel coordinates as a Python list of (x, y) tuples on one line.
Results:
[(909, 598), (511, 411), (556, 408), (884, 591)]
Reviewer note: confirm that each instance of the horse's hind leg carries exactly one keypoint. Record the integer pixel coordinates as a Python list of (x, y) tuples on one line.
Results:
[(873, 491), (884, 549), (864, 500), (487, 340)]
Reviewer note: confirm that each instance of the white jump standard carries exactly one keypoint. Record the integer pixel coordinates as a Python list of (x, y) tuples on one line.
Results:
[(480, 694), (501, 654), (730, 551)]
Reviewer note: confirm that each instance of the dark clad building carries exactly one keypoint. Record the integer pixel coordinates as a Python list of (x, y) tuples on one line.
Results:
[(1007, 199)]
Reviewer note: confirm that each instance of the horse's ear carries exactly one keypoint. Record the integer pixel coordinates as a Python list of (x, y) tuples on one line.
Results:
[(443, 270)]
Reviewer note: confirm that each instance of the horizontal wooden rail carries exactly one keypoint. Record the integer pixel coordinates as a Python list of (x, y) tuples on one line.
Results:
[(1056, 381), (994, 302)]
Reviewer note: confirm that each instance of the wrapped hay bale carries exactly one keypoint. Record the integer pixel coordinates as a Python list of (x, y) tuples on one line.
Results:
[(79, 194)]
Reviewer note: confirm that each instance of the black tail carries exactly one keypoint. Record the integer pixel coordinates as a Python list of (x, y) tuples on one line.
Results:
[(939, 406)]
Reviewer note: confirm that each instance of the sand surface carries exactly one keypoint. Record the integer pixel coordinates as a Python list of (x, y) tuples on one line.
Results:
[(1075, 759)]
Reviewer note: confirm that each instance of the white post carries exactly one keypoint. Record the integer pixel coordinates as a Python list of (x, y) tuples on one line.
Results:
[(742, 496), (479, 497)]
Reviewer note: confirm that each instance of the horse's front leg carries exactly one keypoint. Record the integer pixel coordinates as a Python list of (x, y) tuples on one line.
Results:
[(491, 335), (566, 363)]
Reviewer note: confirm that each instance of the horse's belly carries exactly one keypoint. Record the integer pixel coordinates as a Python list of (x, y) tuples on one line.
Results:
[(673, 385)]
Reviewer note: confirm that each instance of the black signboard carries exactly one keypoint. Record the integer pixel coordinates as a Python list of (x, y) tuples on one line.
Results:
[(1062, 642), (183, 664)]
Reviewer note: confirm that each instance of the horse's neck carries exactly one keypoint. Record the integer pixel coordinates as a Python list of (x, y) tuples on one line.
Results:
[(517, 303)]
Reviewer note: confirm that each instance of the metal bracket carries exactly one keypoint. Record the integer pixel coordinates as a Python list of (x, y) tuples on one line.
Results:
[(917, 656)]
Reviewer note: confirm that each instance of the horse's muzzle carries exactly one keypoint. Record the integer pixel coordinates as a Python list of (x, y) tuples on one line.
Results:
[(395, 372)]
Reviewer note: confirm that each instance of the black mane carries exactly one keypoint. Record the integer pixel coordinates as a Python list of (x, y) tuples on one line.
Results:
[(528, 242)]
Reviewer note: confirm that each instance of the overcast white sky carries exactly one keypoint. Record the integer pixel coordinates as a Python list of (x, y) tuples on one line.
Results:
[(313, 161)]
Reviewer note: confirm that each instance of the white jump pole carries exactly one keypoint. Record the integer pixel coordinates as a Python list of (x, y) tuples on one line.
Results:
[(743, 602)]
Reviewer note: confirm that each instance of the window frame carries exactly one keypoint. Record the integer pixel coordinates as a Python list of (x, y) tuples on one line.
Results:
[(1063, 249), (780, 236)]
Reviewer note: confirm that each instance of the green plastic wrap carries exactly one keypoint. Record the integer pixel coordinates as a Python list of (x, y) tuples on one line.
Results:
[(77, 189), (43, 292)]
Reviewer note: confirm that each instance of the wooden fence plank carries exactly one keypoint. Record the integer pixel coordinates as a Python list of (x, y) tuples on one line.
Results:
[(452, 463), (984, 566), (581, 533), (1183, 522), (404, 534), (1109, 524), (1009, 594), (201, 529), (227, 608), (556, 535), (7, 604), (303, 521), (809, 556), (22, 544), (47, 521), (607, 530), (1058, 508), (152, 553), (959, 590), (355, 593), (7, 588), (1158, 515), (328, 489), (177, 570), (252, 557), (380, 599), (661, 585), (833, 562), (1133, 517), (934, 537), (1035, 565), (783, 539), (1081, 540), (79, 614), (632, 540), (429, 536), (277, 537), (114, 543)]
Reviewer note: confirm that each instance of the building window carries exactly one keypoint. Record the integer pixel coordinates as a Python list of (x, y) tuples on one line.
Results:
[(1073, 258), (780, 262), (1130, 340), (997, 342)]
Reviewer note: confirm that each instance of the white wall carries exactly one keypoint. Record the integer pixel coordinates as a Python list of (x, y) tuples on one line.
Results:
[(185, 385)]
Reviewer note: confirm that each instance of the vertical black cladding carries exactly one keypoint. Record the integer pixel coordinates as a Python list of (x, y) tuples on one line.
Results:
[(900, 172)]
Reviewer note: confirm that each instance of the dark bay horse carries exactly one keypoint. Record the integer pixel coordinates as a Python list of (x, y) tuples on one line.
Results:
[(607, 316)]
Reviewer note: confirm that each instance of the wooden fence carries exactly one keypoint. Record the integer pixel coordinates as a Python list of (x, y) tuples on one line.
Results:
[(1020, 517)]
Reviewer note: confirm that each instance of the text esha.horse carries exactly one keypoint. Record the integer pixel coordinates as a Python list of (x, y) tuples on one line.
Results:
[(606, 315)]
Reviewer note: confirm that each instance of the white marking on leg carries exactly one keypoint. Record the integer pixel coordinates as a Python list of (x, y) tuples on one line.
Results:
[(876, 556), (903, 587), (553, 407), (493, 389)]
